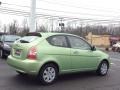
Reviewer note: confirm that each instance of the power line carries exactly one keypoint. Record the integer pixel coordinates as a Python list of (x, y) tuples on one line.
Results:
[(60, 11), (15, 5), (43, 15), (76, 13), (74, 6), (101, 10), (14, 12), (21, 12), (26, 14), (5, 11)]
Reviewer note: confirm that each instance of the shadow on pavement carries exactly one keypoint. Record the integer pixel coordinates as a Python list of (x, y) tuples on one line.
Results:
[(76, 77)]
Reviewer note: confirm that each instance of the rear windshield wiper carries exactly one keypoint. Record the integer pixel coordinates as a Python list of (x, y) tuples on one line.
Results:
[(23, 41)]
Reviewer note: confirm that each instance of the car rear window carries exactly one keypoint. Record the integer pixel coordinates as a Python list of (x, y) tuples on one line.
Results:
[(27, 39)]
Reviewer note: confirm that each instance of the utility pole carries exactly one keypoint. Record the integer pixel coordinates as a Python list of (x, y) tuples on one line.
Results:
[(0, 2), (51, 24), (32, 16)]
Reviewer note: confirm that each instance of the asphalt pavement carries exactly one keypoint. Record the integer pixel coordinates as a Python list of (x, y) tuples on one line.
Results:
[(10, 80)]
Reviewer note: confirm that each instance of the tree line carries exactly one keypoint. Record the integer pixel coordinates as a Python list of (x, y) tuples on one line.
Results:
[(15, 29)]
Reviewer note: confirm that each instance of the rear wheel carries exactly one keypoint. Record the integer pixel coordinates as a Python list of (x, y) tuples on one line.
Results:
[(48, 74), (103, 68)]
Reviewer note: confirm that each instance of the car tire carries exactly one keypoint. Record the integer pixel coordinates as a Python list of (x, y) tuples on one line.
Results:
[(2, 53), (103, 68), (119, 49), (113, 49), (48, 74)]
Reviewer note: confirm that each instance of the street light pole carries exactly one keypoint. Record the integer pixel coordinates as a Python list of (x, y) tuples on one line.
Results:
[(32, 16)]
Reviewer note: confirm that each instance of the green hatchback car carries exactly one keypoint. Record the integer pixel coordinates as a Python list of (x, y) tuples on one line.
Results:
[(47, 55)]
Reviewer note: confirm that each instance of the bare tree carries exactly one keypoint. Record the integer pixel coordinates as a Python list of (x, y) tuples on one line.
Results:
[(41, 29), (13, 28), (25, 29)]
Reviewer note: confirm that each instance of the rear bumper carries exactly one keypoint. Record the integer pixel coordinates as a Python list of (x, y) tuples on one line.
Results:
[(27, 66)]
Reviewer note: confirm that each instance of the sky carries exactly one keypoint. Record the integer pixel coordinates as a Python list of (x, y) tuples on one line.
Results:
[(83, 9)]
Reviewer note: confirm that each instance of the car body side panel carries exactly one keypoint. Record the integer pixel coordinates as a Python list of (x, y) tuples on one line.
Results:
[(60, 55), (84, 59)]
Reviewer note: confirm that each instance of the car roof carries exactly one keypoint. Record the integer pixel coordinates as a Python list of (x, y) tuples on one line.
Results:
[(48, 34), (51, 34), (2, 33)]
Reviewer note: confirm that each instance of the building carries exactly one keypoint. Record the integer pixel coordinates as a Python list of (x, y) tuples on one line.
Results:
[(99, 40)]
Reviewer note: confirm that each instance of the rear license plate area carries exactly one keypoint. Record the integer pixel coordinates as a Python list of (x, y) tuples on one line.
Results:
[(18, 52)]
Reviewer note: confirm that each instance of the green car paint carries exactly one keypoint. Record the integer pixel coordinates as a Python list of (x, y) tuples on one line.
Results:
[(67, 59)]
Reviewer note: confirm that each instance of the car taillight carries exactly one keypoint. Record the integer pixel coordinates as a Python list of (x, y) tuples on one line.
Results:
[(32, 54)]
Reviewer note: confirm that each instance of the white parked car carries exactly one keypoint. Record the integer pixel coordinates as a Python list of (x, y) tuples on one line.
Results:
[(116, 47)]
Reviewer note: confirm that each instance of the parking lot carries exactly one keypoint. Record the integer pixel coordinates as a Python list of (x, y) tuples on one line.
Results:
[(10, 80)]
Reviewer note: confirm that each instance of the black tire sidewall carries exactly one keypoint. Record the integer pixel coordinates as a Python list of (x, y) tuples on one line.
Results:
[(40, 76), (99, 68), (1, 55)]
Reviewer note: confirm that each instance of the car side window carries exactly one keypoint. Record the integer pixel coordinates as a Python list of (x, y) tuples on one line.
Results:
[(59, 41), (78, 43)]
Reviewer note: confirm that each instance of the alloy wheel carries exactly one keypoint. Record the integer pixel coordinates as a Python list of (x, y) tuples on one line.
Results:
[(104, 68), (49, 74)]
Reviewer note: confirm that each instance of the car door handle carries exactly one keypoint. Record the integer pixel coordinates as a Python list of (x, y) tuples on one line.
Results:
[(75, 52)]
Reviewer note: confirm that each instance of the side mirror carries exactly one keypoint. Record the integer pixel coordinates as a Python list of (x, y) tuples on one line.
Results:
[(93, 48)]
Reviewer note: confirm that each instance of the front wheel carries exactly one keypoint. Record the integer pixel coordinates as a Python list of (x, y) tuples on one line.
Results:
[(103, 68), (48, 74), (1, 53)]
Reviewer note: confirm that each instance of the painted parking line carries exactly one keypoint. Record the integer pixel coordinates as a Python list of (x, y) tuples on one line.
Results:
[(116, 59), (114, 66), (112, 63), (113, 70)]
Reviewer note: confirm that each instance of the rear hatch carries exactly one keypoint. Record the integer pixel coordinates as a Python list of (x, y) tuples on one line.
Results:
[(21, 47)]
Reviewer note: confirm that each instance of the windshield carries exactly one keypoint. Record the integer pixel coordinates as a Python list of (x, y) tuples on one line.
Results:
[(10, 38), (27, 39)]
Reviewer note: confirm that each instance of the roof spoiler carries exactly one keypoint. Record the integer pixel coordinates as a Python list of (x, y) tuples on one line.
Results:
[(34, 34)]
